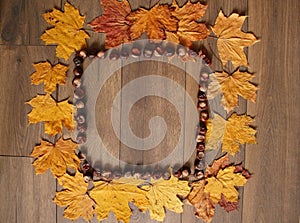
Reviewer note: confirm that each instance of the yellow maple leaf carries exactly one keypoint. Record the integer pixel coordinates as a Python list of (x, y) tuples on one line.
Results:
[(49, 75), (189, 29), (237, 132), (154, 22), (75, 197), (163, 194), (115, 195), (67, 32), (204, 207), (224, 183), (231, 39), (54, 114), (234, 85), (56, 156), (215, 132)]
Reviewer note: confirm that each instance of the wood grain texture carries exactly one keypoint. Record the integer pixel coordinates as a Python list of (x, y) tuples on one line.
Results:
[(272, 195), (25, 197)]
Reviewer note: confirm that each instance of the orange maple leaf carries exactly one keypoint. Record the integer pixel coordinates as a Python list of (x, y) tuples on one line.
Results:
[(189, 29), (113, 22), (75, 197), (231, 39), (52, 113), (56, 156), (67, 32), (204, 207), (154, 22), (49, 75), (232, 86)]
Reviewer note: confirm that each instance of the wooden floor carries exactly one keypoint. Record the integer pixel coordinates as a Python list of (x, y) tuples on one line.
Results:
[(271, 196)]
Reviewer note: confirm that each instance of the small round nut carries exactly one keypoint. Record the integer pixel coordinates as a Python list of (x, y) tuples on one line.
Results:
[(76, 82), (81, 138), (135, 51), (78, 71)]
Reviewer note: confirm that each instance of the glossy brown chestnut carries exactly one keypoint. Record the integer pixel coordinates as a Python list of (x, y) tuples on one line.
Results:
[(81, 138), (78, 71)]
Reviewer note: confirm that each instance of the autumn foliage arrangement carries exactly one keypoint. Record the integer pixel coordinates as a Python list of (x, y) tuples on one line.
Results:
[(120, 24)]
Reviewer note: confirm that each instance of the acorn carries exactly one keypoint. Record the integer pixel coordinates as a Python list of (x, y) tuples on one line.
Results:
[(85, 166), (78, 71), (87, 178), (76, 82), (81, 138), (203, 87), (202, 105), (200, 138), (92, 53), (79, 93), (202, 128)]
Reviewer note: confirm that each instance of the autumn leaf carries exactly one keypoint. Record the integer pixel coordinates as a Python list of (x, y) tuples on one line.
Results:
[(163, 194), (237, 132), (227, 205), (204, 207), (231, 39), (67, 32), (56, 156), (154, 22), (234, 85), (54, 114), (189, 29), (115, 195), (218, 164), (113, 22), (49, 75), (224, 183), (75, 197), (215, 131)]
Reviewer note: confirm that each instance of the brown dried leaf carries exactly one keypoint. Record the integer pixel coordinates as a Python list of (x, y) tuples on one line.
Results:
[(234, 85), (67, 32), (218, 164), (49, 75), (231, 39), (154, 22), (56, 156), (228, 205), (204, 207), (113, 22), (189, 29), (75, 197), (54, 114)]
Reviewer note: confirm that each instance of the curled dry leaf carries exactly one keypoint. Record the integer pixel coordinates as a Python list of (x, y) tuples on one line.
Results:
[(228, 205), (53, 114), (238, 131), (234, 85), (67, 32), (189, 29), (154, 22), (204, 207), (231, 39), (224, 183), (113, 22), (115, 195), (75, 197), (218, 164), (49, 75), (162, 194), (56, 156)]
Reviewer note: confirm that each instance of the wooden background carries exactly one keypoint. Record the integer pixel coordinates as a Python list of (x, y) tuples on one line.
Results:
[(272, 195)]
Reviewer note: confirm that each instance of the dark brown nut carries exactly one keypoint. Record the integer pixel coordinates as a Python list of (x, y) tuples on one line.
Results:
[(203, 86), (81, 127), (177, 173), (80, 119), (200, 146), (124, 54), (166, 175), (146, 176), (202, 95), (114, 55), (200, 138), (128, 174), (199, 174), (117, 174), (200, 155), (202, 105), (137, 175), (76, 82), (79, 104), (157, 175), (148, 52), (204, 77), (186, 171), (199, 164), (83, 54), (87, 178), (192, 53), (169, 50), (202, 128), (78, 71), (81, 156), (101, 54), (96, 175), (204, 116), (79, 93), (159, 50), (181, 51), (81, 138), (85, 167), (135, 52), (78, 60), (92, 53), (106, 175)]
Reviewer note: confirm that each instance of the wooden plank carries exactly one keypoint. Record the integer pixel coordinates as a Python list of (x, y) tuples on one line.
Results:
[(25, 196), (22, 23), (16, 68), (275, 159)]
